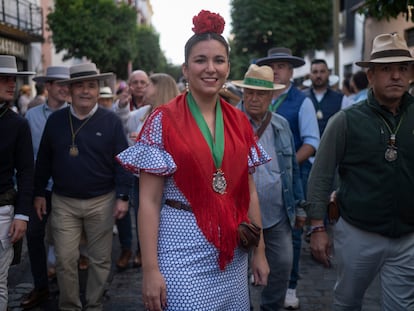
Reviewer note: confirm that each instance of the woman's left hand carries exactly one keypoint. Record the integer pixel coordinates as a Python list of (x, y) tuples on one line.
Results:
[(260, 267)]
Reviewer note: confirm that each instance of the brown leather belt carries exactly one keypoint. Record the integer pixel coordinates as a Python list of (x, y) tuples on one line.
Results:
[(178, 205)]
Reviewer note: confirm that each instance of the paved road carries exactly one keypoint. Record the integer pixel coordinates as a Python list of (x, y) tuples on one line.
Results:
[(123, 293)]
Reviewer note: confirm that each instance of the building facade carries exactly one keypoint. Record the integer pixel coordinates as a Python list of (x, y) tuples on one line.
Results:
[(21, 27)]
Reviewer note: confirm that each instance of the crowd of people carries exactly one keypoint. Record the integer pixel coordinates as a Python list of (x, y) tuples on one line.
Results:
[(198, 167)]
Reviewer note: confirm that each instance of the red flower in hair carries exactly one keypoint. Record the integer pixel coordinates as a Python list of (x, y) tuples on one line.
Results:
[(207, 21)]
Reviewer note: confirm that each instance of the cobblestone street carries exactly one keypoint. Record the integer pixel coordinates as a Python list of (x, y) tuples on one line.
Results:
[(124, 288)]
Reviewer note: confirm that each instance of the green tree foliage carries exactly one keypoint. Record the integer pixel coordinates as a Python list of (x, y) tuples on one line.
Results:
[(387, 9), (148, 55), (300, 25), (106, 34)]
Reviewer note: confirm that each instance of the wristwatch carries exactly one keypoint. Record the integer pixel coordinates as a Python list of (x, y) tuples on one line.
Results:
[(123, 197)]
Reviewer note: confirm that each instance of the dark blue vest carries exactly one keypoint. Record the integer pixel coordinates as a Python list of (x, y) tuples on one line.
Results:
[(290, 110), (329, 105)]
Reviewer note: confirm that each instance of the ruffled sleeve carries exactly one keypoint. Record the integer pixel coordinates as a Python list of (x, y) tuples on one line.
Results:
[(258, 155), (148, 154)]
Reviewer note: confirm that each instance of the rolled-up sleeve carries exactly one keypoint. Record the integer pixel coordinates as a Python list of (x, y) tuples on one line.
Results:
[(322, 175), (308, 124)]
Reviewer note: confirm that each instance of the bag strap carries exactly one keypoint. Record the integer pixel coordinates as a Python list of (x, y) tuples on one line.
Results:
[(264, 124)]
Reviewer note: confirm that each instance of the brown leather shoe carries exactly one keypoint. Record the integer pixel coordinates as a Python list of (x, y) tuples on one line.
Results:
[(83, 262), (51, 273), (122, 262), (137, 260), (34, 298)]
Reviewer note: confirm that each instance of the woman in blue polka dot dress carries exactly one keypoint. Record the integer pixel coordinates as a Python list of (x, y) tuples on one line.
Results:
[(195, 156)]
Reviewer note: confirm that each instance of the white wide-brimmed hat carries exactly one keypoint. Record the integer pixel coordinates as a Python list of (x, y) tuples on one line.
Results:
[(106, 92), (259, 78), (54, 73), (85, 71), (8, 67), (388, 48)]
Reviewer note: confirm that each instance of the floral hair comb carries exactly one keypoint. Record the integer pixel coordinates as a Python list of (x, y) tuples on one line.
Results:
[(207, 21)]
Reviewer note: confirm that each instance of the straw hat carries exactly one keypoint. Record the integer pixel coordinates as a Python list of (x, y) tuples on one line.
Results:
[(105, 92), (53, 73), (8, 67), (86, 71), (259, 78), (388, 48), (281, 54)]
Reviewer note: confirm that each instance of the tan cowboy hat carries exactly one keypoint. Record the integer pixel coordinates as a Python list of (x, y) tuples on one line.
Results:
[(54, 73), (259, 78), (281, 54), (8, 67), (388, 48), (106, 92), (85, 71)]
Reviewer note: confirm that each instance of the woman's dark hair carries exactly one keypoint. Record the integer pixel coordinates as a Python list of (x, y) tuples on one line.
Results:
[(196, 38)]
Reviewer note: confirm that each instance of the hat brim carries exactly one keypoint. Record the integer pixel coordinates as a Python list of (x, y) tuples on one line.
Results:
[(240, 83), (293, 60), (385, 60), (229, 94), (106, 96), (18, 74), (44, 79), (102, 76)]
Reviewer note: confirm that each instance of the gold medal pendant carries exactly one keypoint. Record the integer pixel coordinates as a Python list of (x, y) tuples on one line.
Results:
[(319, 114), (219, 182), (73, 151), (391, 153)]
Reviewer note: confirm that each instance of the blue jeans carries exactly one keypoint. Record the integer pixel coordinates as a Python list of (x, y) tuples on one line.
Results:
[(279, 255), (297, 244), (35, 236), (305, 168), (124, 224)]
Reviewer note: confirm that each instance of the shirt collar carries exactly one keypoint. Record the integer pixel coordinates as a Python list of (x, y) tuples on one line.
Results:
[(91, 113)]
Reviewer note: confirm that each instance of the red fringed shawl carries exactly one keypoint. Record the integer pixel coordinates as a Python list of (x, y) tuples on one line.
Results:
[(217, 215)]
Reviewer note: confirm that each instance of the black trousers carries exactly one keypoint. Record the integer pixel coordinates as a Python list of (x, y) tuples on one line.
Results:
[(35, 236)]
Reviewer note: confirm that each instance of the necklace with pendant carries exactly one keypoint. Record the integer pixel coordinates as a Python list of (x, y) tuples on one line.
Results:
[(73, 149), (391, 153), (319, 114), (219, 183)]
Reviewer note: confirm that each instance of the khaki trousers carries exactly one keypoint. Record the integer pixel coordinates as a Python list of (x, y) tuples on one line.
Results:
[(70, 217), (6, 252)]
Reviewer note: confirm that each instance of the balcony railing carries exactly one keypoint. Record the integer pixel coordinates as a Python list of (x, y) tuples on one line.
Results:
[(23, 16)]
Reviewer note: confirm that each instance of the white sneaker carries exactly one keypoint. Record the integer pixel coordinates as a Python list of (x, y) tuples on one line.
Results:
[(115, 230), (291, 301)]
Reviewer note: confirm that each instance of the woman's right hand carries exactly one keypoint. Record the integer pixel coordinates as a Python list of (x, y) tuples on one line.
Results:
[(154, 290)]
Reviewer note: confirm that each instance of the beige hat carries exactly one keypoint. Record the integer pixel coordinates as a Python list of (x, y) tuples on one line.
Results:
[(8, 67), (259, 78), (86, 71), (106, 92), (388, 48), (53, 73)]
